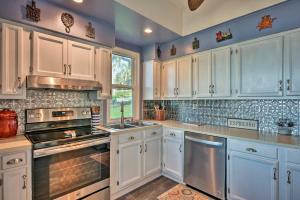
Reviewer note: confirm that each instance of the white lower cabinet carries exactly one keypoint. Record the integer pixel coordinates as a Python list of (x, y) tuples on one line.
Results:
[(136, 161), (173, 154), (15, 184)]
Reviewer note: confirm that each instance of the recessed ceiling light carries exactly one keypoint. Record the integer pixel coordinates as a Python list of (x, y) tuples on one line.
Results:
[(148, 30), (78, 1)]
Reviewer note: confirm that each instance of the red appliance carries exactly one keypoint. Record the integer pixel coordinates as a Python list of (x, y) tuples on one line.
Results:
[(8, 123)]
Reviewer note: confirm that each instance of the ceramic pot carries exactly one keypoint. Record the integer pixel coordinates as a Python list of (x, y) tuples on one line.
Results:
[(8, 123)]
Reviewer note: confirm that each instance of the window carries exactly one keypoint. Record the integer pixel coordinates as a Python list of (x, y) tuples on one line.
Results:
[(124, 87)]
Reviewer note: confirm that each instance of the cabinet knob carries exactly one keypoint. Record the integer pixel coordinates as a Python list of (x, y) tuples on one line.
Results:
[(24, 182), (19, 83), (289, 181), (180, 148), (251, 150)]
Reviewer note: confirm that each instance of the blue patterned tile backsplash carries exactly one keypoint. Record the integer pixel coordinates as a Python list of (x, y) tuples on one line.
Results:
[(216, 112), (49, 99)]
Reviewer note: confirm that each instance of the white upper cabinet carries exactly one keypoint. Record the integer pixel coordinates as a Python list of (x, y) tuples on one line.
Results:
[(81, 59), (292, 63), (168, 81), (184, 77), (221, 72), (12, 62), (151, 80), (260, 67), (58, 57), (202, 74), (49, 55), (103, 70)]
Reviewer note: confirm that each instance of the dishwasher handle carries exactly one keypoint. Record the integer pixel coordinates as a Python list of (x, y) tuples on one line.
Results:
[(207, 142)]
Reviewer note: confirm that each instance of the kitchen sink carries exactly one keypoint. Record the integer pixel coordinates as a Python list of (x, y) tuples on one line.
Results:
[(141, 123), (120, 126), (128, 125)]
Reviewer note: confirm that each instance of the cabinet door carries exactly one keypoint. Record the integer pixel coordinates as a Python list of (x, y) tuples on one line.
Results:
[(169, 79), (184, 77), (292, 63), (260, 67), (49, 55), (130, 163), (15, 184), (12, 69), (103, 69), (221, 64), (203, 62), (293, 182), (152, 158), (252, 177), (81, 61), (172, 158), (157, 79)]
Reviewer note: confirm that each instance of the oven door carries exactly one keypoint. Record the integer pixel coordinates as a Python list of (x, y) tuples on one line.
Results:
[(58, 171)]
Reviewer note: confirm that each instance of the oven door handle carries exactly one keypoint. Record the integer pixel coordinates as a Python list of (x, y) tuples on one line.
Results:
[(207, 142), (68, 147)]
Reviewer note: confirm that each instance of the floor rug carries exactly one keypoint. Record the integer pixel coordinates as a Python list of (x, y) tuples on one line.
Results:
[(182, 192)]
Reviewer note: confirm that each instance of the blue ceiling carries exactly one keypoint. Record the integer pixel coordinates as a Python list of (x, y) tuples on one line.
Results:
[(129, 27)]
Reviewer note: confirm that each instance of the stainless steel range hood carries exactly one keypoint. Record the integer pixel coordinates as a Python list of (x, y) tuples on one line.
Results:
[(45, 82)]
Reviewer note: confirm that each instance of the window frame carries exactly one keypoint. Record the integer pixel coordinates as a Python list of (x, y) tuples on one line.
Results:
[(135, 84)]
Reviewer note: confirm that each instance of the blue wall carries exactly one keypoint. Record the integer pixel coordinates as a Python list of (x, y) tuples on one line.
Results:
[(243, 28), (50, 19)]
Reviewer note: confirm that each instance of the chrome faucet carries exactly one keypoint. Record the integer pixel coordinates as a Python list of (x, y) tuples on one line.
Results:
[(122, 114)]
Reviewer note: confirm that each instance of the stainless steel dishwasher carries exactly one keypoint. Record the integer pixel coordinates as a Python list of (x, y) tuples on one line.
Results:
[(205, 163)]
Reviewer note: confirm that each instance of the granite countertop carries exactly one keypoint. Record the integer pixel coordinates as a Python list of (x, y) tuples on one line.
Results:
[(235, 133), (14, 143)]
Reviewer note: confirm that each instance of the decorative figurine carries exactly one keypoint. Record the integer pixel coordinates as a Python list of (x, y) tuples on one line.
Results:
[(266, 22), (68, 20), (32, 12), (195, 43), (221, 36), (173, 51), (158, 51), (90, 31)]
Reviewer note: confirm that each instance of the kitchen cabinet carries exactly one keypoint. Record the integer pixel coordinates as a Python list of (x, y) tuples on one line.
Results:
[(151, 80), (152, 159), (221, 72), (252, 171), (173, 154), (260, 67), (103, 68), (81, 58), (130, 163), (12, 62), (15, 184), (168, 77), (202, 74), (292, 63), (59, 57)]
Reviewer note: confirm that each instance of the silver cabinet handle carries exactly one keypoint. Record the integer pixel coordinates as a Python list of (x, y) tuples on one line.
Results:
[(145, 147), (65, 69), (154, 133), (288, 87), (70, 70), (280, 85), (209, 89), (289, 173), (180, 148), (19, 82), (275, 173), (131, 138), (251, 150), (207, 142), (14, 161), (177, 91), (24, 182), (212, 89), (141, 149)]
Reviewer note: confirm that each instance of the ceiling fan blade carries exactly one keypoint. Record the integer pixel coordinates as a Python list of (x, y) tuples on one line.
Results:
[(194, 4)]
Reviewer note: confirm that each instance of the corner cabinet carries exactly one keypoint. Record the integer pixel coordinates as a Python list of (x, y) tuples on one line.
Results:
[(177, 78), (260, 68), (103, 69), (12, 76), (151, 80), (59, 57)]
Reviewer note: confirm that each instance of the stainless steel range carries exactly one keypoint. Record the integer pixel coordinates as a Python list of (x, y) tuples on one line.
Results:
[(70, 159)]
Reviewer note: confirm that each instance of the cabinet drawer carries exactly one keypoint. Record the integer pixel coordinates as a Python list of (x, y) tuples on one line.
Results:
[(130, 137), (293, 156), (153, 133), (173, 133), (13, 160), (253, 148)]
